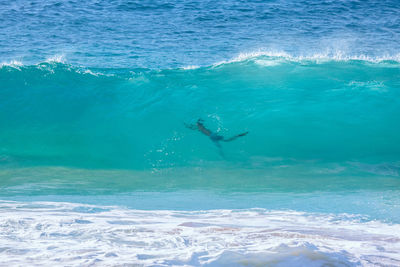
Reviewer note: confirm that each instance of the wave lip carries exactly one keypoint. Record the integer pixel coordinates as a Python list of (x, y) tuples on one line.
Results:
[(59, 58), (12, 63), (261, 57), (110, 235), (315, 57)]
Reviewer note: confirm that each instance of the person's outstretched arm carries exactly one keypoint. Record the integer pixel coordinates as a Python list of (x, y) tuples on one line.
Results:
[(234, 137), (199, 126), (190, 126)]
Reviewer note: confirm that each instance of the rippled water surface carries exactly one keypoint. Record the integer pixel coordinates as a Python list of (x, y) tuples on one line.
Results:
[(160, 34)]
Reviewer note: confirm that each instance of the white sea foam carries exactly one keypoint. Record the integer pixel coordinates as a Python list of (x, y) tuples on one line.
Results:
[(191, 67), (48, 233), (94, 73), (377, 86), (52, 59), (260, 57), (56, 59), (272, 58), (12, 63)]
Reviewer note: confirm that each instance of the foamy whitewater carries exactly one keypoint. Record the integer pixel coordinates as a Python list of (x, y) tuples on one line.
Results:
[(72, 234), (98, 166)]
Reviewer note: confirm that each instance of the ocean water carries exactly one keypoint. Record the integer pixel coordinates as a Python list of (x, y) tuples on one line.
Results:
[(98, 166)]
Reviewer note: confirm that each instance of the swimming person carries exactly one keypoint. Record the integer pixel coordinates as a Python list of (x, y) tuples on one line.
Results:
[(213, 136)]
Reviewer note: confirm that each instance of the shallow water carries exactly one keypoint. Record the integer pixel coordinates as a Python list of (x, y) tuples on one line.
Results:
[(64, 233)]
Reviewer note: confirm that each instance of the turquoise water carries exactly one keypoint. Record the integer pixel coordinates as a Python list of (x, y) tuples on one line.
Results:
[(95, 152), (322, 140), (317, 127), (306, 110)]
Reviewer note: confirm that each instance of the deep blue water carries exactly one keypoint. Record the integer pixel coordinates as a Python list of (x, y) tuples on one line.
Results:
[(169, 34)]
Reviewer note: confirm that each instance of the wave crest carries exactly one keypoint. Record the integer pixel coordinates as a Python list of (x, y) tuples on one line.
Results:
[(316, 57)]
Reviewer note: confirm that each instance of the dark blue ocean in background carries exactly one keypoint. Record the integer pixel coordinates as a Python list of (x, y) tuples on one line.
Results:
[(172, 34), (98, 166)]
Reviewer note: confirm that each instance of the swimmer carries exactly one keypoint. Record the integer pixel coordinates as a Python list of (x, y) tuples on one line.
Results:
[(213, 136)]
